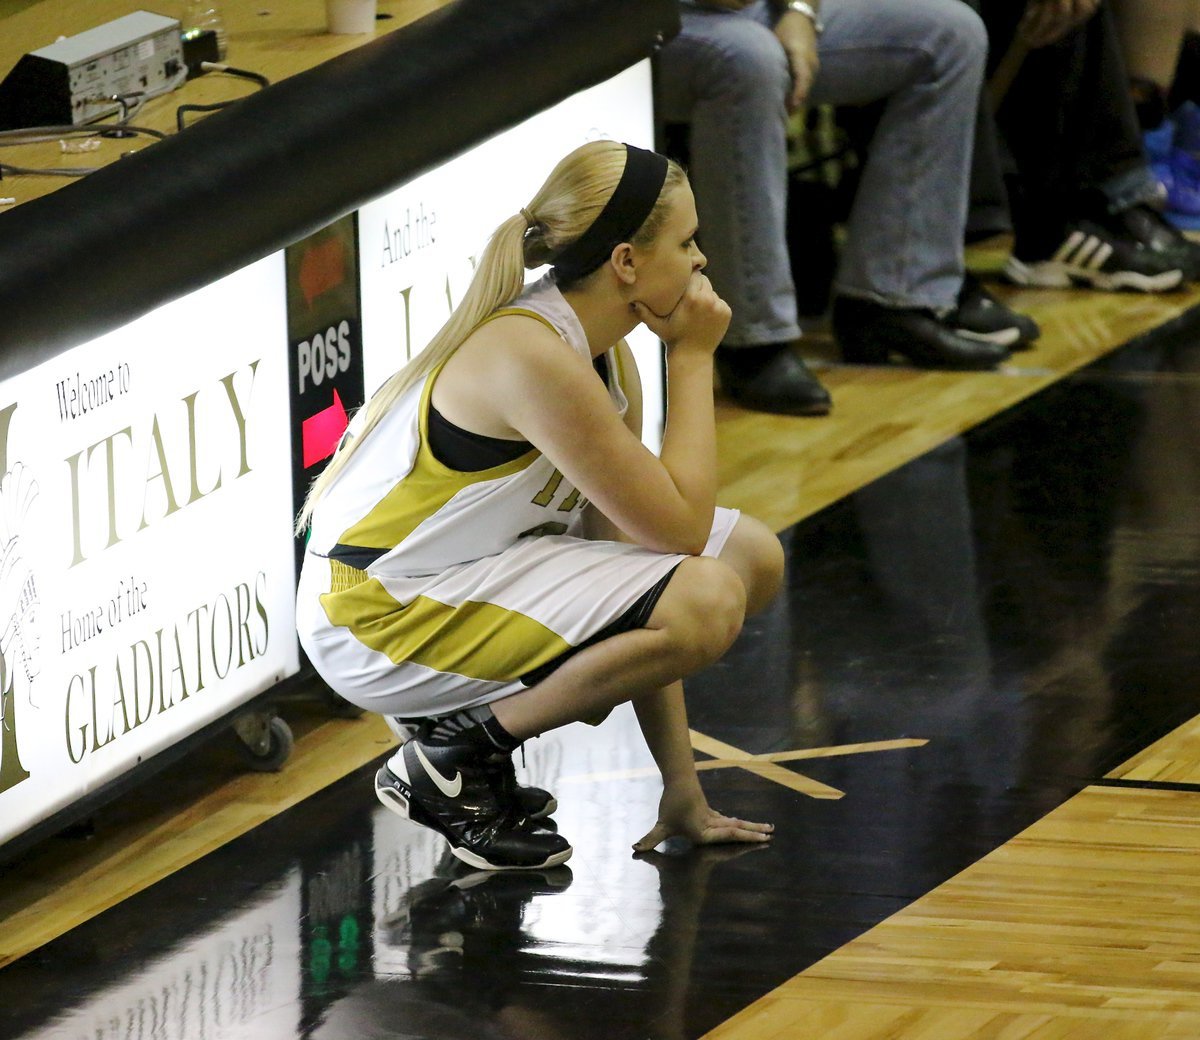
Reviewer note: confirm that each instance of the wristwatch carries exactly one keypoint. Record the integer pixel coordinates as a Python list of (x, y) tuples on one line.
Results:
[(809, 12)]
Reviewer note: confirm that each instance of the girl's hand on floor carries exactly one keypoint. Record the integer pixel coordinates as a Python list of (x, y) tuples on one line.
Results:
[(694, 819)]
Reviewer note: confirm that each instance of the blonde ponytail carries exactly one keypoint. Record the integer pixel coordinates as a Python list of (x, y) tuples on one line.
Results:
[(565, 206), (498, 279)]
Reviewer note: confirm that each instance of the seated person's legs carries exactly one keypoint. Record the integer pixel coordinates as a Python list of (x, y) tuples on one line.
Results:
[(726, 76), (901, 272), (901, 275), (1082, 210)]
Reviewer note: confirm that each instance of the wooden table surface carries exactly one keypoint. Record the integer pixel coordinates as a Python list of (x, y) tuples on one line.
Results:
[(276, 38)]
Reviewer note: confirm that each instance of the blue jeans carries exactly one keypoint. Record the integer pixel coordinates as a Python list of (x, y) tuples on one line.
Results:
[(727, 76)]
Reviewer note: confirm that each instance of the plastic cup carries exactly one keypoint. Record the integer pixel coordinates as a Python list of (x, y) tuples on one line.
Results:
[(348, 17)]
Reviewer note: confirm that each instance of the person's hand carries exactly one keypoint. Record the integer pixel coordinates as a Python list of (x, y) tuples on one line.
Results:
[(1048, 21), (697, 322), (798, 36), (688, 815)]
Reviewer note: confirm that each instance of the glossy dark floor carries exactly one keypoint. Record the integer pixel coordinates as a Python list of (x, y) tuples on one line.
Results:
[(1022, 604)]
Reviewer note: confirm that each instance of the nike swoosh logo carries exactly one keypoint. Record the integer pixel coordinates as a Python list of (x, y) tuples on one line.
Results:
[(450, 788)]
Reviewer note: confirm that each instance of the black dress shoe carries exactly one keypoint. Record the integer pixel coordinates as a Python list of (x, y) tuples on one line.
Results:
[(979, 315), (869, 333), (771, 379)]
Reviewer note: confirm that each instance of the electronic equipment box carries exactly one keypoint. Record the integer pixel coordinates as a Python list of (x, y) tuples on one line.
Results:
[(82, 78)]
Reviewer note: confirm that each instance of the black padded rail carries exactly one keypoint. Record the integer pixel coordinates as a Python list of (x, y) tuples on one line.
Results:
[(282, 163)]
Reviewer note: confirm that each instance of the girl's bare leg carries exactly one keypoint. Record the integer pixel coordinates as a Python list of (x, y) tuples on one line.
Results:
[(694, 623), (756, 557)]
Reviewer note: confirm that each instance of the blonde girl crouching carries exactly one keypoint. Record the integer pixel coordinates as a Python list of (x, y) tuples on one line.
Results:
[(493, 551)]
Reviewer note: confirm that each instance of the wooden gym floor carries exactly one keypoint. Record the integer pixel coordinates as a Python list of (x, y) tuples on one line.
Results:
[(973, 715)]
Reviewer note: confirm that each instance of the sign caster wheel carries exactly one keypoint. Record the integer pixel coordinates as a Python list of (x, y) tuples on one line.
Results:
[(265, 741)]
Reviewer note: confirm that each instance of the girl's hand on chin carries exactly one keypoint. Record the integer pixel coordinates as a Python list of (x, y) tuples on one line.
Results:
[(697, 322)]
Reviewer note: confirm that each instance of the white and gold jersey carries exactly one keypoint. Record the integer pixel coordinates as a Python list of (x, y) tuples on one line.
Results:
[(396, 501)]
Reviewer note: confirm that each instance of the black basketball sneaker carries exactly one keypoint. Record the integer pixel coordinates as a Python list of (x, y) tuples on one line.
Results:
[(456, 790), (534, 803)]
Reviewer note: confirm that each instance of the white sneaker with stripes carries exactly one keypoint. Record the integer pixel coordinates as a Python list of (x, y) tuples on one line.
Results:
[(1094, 256)]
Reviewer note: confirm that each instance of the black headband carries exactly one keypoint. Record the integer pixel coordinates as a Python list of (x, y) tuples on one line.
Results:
[(631, 203)]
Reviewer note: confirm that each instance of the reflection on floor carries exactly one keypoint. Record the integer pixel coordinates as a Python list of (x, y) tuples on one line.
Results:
[(974, 639)]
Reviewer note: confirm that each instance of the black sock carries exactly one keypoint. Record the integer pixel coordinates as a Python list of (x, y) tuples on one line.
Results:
[(477, 726)]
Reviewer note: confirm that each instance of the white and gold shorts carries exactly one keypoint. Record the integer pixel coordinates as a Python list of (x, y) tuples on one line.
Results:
[(483, 630)]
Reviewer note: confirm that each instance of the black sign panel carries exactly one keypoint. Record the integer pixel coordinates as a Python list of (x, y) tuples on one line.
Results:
[(324, 348)]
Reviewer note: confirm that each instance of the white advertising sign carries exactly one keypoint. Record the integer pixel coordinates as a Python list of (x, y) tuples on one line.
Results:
[(419, 243), (146, 574), (146, 556)]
